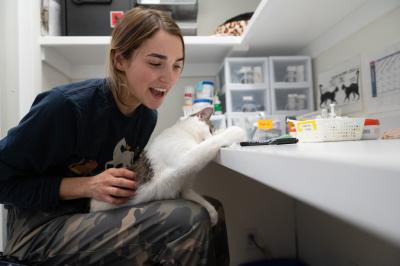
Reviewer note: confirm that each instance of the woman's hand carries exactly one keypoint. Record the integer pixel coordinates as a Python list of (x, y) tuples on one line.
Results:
[(114, 185)]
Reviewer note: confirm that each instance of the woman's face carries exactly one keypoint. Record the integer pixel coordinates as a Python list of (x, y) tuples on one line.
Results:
[(152, 70)]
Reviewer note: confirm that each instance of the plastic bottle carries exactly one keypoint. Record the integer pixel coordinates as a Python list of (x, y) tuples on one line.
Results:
[(188, 95), (204, 89), (217, 105)]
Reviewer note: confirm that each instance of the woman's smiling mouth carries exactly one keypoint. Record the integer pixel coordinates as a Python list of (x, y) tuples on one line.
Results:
[(158, 92)]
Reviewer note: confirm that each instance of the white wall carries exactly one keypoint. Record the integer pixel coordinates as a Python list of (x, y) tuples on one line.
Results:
[(323, 239), (2, 111), (8, 80), (371, 40)]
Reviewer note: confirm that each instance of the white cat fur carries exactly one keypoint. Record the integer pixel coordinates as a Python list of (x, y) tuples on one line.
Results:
[(176, 155)]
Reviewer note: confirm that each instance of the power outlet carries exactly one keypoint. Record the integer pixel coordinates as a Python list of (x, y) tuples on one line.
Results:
[(255, 242), (250, 245)]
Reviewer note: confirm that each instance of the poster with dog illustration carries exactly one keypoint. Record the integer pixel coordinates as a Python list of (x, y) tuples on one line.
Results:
[(342, 86)]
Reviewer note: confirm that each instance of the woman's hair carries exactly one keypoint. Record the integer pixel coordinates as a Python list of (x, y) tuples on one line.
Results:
[(136, 26)]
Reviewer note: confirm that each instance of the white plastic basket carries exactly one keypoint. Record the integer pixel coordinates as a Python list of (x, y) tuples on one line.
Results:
[(329, 129)]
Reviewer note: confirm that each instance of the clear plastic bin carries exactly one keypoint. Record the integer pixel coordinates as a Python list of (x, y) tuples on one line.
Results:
[(294, 99), (290, 70), (248, 100)]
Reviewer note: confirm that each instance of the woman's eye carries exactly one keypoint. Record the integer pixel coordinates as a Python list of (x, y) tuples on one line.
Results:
[(177, 67), (155, 64)]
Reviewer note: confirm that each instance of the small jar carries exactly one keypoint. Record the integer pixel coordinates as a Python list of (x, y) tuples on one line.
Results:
[(200, 104), (204, 89)]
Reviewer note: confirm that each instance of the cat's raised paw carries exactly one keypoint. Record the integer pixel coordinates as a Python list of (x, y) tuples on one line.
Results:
[(234, 134)]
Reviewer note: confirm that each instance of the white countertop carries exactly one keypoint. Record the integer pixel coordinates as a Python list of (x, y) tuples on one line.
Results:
[(358, 181)]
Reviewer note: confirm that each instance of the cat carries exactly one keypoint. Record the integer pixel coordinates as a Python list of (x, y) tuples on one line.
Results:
[(167, 167), (352, 89), (328, 95)]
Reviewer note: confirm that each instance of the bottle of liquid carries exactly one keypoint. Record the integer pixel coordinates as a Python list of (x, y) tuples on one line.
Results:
[(217, 105), (188, 95)]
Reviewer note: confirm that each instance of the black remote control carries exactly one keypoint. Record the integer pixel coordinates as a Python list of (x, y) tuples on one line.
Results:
[(272, 141)]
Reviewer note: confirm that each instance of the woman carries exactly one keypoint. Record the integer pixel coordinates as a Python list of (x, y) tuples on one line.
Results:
[(68, 149)]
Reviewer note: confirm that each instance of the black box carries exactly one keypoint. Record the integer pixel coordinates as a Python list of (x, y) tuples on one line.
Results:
[(92, 17)]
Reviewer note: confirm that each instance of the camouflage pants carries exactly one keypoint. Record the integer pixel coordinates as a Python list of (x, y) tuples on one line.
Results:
[(170, 232)]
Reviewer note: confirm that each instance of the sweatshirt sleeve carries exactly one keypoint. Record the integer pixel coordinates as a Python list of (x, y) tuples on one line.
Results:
[(42, 141)]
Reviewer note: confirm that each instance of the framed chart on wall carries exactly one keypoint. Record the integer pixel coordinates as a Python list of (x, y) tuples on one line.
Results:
[(341, 85), (385, 81)]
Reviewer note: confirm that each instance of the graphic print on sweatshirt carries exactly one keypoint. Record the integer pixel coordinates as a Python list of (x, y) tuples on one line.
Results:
[(123, 155)]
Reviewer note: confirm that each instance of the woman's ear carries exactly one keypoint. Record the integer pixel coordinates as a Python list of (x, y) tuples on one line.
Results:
[(119, 62)]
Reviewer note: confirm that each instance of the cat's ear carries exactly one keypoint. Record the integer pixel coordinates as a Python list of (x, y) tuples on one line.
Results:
[(205, 113)]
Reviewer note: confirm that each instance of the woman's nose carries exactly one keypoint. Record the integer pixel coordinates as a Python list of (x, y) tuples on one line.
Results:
[(167, 76)]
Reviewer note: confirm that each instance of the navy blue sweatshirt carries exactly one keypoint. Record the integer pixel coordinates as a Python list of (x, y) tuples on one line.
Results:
[(71, 130)]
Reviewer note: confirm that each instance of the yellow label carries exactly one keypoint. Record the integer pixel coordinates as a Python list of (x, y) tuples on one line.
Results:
[(308, 125), (265, 124)]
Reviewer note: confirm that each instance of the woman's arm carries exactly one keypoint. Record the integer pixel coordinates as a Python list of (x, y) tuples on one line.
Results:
[(45, 137)]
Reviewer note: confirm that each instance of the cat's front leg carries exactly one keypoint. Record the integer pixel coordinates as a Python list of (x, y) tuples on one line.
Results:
[(190, 194), (232, 135)]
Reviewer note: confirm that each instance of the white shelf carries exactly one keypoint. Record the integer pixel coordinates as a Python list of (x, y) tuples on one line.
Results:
[(277, 27), (83, 57), (357, 181)]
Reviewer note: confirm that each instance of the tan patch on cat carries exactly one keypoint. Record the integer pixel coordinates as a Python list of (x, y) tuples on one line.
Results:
[(143, 169)]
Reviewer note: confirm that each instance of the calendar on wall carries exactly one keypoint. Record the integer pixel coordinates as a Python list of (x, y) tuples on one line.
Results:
[(385, 74), (385, 80)]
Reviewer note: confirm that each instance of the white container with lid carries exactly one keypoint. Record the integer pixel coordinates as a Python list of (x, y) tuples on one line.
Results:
[(200, 104), (371, 129), (204, 89)]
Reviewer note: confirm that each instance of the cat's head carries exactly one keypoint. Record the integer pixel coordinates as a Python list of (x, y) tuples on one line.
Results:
[(199, 124)]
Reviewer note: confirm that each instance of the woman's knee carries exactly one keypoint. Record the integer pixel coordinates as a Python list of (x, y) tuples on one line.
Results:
[(184, 213)]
